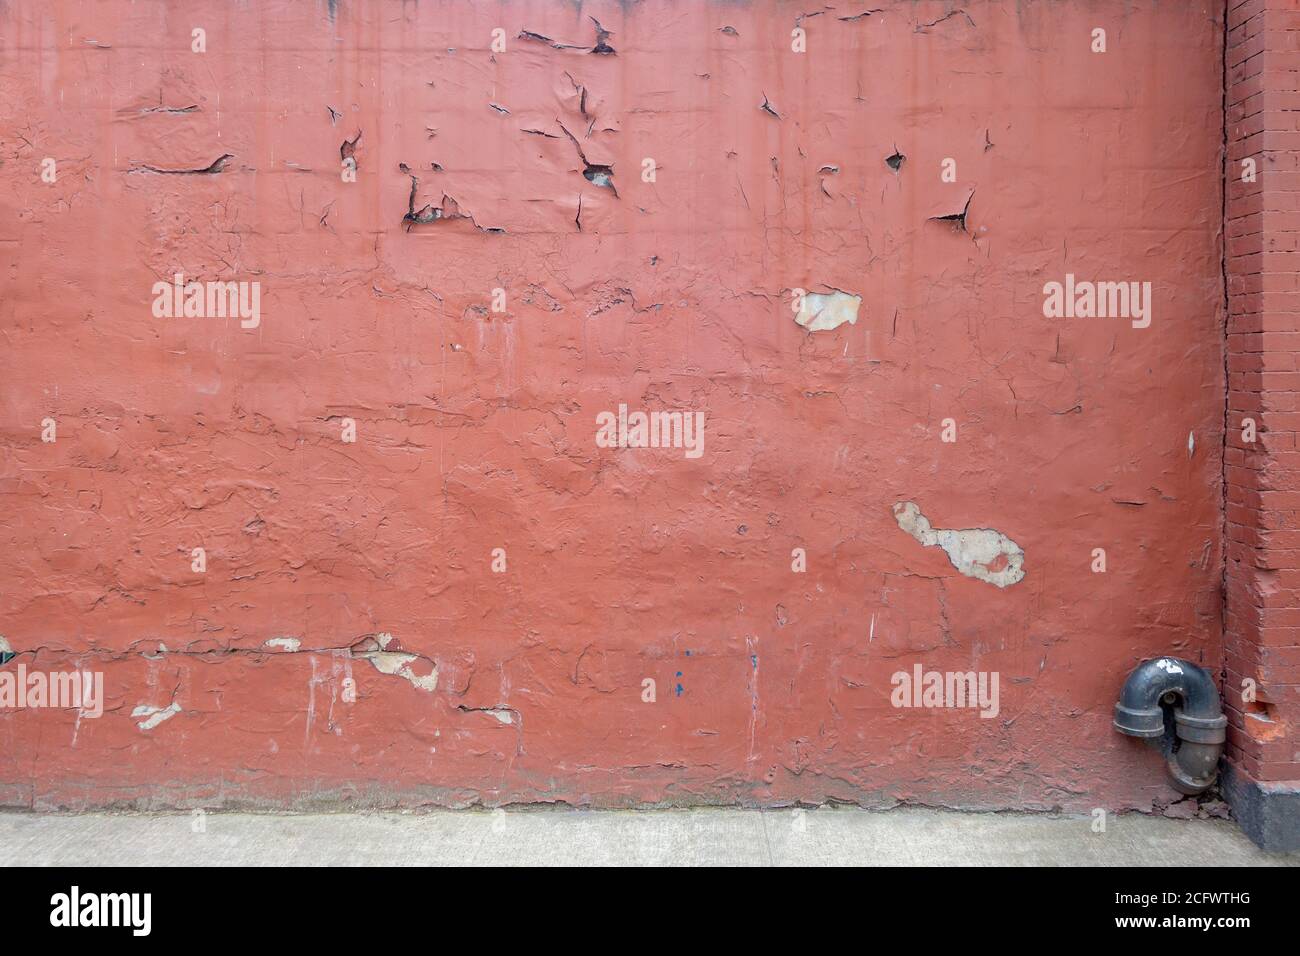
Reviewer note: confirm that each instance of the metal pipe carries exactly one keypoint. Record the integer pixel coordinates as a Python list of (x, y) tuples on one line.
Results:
[(1189, 694)]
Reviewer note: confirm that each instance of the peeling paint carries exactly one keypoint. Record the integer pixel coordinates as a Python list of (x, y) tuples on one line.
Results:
[(155, 715), (821, 312), (980, 553), (290, 644), (391, 662), (396, 663), (474, 410), (503, 715)]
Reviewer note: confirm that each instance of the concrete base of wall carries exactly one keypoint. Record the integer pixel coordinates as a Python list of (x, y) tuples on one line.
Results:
[(1268, 812), (556, 836)]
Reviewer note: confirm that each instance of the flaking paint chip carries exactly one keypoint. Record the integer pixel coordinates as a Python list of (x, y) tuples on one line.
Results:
[(820, 312), (980, 553)]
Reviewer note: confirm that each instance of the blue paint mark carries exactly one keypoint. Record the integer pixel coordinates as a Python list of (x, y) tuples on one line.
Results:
[(753, 659)]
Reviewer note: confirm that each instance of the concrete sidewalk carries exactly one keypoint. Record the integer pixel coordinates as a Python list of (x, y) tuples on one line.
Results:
[(546, 837)]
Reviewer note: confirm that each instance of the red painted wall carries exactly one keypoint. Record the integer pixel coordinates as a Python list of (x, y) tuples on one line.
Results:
[(476, 429)]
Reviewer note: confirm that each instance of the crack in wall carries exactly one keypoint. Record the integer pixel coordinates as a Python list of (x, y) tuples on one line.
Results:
[(601, 47), (446, 209), (923, 27), (597, 174), (214, 167), (957, 219)]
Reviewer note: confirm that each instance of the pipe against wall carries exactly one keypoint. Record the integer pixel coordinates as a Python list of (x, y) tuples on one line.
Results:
[(1198, 721)]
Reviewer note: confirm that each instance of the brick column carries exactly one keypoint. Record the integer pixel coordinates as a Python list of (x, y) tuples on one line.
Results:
[(1262, 477)]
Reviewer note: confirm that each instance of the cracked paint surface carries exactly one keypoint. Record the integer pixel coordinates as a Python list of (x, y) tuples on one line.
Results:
[(475, 428)]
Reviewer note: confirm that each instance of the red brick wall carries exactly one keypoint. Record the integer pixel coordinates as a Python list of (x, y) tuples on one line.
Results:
[(1262, 224)]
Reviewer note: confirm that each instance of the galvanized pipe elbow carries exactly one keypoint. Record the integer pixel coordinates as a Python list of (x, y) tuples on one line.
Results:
[(1198, 720)]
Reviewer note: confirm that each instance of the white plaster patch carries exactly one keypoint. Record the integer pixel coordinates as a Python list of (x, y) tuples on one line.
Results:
[(821, 313), (399, 665), (1168, 666), (980, 553), (155, 715), (289, 644)]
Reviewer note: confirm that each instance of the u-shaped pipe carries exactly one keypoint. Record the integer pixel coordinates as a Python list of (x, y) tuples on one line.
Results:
[(1199, 724)]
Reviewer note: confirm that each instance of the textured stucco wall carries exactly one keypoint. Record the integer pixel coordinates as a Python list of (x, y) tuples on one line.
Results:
[(476, 429)]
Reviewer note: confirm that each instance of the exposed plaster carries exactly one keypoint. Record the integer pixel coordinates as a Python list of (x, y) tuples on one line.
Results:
[(820, 312), (396, 663), (981, 553), (155, 715)]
